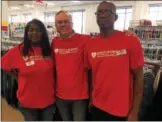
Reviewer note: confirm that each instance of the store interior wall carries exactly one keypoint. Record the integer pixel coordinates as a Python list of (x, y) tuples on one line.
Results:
[(4, 16), (0, 23), (140, 11)]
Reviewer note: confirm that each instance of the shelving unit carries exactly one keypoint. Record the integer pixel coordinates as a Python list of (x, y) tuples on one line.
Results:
[(16, 30), (151, 40), (148, 33), (6, 43)]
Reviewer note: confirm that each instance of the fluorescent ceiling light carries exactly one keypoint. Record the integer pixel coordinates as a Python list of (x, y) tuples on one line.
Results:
[(76, 1), (29, 6), (50, 4), (14, 8)]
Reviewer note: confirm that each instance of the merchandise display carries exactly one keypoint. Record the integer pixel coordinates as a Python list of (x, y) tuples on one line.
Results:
[(151, 37), (153, 52), (16, 33), (143, 22), (16, 30), (6, 43), (148, 32)]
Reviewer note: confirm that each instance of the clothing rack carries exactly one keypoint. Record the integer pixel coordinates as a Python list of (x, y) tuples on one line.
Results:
[(154, 110), (156, 66), (8, 87), (149, 108)]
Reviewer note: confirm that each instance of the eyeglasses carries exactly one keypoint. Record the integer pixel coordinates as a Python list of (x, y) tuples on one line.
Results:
[(64, 21), (108, 12)]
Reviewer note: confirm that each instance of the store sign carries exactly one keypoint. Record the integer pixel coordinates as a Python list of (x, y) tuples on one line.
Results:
[(4, 26), (39, 1)]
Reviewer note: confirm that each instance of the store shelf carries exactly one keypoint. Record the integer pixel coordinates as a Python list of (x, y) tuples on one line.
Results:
[(11, 42), (151, 42), (152, 55), (148, 27), (155, 63)]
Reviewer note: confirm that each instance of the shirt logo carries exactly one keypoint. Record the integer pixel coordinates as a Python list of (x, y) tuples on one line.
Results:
[(37, 57), (110, 53), (94, 55), (66, 51), (56, 51)]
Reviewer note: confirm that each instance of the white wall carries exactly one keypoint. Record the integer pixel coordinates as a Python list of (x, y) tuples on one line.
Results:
[(4, 14), (90, 23), (140, 11), (5, 10), (142, 8)]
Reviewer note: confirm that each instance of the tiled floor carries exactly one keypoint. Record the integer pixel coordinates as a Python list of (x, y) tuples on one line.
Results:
[(9, 113)]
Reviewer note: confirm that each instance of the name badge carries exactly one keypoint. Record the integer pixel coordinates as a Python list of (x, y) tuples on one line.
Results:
[(30, 63)]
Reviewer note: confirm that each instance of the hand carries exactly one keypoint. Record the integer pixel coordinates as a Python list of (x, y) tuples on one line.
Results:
[(130, 33), (133, 116), (14, 73), (90, 104), (90, 107)]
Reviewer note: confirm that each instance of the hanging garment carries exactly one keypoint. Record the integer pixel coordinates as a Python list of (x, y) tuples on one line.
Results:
[(148, 94), (9, 89), (13, 97), (157, 79), (2, 83), (155, 111), (4, 79)]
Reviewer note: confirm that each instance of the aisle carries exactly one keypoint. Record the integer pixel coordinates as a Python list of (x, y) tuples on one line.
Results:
[(9, 113)]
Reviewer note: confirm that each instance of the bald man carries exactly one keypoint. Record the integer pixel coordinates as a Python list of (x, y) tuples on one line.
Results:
[(116, 61), (71, 85)]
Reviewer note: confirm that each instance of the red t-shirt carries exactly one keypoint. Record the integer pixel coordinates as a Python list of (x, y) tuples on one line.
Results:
[(111, 60), (35, 78), (71, 81)]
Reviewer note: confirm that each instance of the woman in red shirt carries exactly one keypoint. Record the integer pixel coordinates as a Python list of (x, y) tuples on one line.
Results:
[(34, 63)]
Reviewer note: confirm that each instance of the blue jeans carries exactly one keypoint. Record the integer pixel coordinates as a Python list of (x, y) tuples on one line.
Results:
[(72, 110)]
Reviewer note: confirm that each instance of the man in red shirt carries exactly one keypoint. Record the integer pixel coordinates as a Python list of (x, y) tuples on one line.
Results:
[(117, 63), (71, 85)]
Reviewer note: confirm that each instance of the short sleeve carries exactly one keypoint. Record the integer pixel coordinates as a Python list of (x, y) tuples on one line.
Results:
[(9, 60), (136, 53)]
